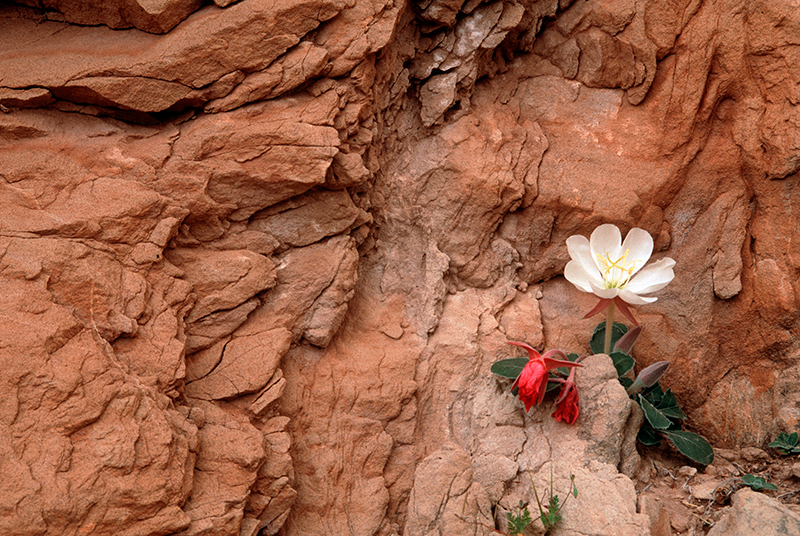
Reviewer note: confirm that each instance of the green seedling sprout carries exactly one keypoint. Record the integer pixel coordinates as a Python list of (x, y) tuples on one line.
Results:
[(551, 516)]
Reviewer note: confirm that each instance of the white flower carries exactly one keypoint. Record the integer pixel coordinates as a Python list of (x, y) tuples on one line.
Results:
[(609, 268)]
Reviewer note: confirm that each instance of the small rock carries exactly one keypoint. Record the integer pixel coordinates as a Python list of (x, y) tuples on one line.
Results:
[(781, 472), (687, 472), (705, 490), (796, 469), (724, 468), (753, 454), (728, 454), (393, 331), (25, 98)]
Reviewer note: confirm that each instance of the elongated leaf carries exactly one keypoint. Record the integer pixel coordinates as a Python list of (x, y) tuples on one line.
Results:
[(622, 362), (647, 436), (657, 420), (509, 368), (599, 336), (669, 406), (691, 445)]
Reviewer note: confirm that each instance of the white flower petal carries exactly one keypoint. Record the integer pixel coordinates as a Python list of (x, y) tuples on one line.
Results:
[(581, 253), (605, 240), (653, 277), (605, 261), (575, 274), (606, 293), (639, 245), (634, 299)]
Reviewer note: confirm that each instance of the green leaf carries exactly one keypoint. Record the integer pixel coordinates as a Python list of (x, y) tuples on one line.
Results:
[(786, 444), (626, 382), (654, 394), (552, 517), (509, 368), (622, 362), (599, 336), (552, 385), (647, 436), (518, 521), (554, 503), (691, 445), (669, 406), (657, 420), (757, 483), (675, 426)]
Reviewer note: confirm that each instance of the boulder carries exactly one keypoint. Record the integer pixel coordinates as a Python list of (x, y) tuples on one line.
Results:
[(754, 514)]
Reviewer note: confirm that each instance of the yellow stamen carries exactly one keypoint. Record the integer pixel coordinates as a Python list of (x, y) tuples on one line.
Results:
[(626, 269)]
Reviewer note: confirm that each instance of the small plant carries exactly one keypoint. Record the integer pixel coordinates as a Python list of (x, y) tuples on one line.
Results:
[(550, 515), (661, 409), (757, 483), (786, 444), (519, 519)]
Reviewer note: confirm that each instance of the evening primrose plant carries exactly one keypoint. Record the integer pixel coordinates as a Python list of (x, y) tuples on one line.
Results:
[(618, 274)]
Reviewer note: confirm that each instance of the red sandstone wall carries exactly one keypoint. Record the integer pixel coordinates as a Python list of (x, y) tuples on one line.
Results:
[(255, 263)]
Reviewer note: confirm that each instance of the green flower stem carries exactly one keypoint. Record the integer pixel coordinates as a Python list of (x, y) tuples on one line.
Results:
[(609, 327)]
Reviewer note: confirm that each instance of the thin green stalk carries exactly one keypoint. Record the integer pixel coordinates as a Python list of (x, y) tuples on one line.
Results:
[(609, 326)]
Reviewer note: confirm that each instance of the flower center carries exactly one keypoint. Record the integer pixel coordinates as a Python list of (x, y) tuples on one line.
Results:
[(617, 273)]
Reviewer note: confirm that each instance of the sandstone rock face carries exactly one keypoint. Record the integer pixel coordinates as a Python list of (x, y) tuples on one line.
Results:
[(256, 258)]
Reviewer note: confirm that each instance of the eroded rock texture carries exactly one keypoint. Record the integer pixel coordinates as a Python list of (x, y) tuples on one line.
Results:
[(256, 257)]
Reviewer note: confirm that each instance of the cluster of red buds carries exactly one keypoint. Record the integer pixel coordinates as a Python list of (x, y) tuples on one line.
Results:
[(532, 382)]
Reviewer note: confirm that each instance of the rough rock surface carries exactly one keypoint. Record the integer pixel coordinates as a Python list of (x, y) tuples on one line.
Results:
[(756, 514), (155, 16), (453, 490), (257, 257)]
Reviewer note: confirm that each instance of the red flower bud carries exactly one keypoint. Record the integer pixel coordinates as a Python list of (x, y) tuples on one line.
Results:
[(568, 404), (532, 381)]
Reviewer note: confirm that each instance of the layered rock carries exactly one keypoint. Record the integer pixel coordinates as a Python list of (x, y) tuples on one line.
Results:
[(148, 15), (257, 257), (130, 250)]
